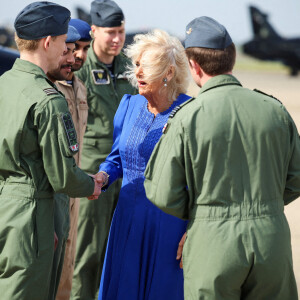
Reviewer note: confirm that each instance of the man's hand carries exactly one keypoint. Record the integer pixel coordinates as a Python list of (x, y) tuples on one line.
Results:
[(97, 189), (179, 250)]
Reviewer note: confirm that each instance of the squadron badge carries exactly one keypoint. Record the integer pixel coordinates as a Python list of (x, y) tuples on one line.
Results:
[(100, 76)]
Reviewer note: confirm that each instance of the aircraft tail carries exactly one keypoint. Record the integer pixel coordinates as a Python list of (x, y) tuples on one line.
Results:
[(83, 15), (260, 25)]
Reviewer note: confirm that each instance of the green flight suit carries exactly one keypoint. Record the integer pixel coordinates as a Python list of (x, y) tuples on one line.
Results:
[(103, 96), (62, 227), (228, 161), (37, 145)]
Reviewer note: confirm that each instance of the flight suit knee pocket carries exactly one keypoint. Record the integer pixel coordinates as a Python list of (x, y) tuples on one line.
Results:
[(18, 233)]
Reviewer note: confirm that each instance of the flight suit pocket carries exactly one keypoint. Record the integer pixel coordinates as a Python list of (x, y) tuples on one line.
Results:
[(18, 233), (94, 153), (83, 115)]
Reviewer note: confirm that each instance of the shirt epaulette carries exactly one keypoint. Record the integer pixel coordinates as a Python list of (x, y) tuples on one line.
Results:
[(50, 91), (258, 91), (177, 108)]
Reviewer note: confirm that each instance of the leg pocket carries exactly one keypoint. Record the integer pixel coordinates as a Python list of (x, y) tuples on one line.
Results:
[(18, 236)]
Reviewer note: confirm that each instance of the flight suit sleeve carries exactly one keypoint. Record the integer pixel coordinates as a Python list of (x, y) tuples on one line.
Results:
[(113, 164), (165, 177), (292, 186), (57, 150)]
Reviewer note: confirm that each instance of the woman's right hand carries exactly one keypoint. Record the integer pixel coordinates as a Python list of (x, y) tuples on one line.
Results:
[(102, 178)]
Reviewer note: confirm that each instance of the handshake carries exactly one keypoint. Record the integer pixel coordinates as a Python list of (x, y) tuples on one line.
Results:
[(100, 180)]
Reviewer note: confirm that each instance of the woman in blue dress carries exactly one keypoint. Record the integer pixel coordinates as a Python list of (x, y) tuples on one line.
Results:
[(140, 262)]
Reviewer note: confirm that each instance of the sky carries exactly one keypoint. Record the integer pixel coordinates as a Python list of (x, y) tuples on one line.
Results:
[(174, 15)]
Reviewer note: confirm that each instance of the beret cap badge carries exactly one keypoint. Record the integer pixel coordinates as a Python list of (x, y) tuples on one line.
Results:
[(189, 31)]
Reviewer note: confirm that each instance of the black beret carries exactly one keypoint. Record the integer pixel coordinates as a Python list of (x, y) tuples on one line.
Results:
[(205, 32), (106, 13), (83, 29), (41, 19)]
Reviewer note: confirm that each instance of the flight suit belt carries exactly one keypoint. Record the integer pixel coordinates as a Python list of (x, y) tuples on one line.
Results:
[(234, 211), (22, 190)]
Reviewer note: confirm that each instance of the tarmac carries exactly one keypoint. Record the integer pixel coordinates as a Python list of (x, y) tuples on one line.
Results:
[(287, 90)]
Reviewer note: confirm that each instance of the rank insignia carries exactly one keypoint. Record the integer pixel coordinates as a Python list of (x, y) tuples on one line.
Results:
[(50, 91), (165, 128), (174, 111), (189, 31), (122, 76), (100, 77), (70, 132)]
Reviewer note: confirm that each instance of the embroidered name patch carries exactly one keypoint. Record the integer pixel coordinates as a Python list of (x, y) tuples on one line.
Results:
[(100, 76), (70, 132)]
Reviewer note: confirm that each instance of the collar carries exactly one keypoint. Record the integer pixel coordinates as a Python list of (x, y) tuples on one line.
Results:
[(218, 81), (119, 62), (29, 67)]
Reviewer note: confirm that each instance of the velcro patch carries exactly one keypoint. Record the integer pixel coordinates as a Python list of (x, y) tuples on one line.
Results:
[(100, 77), (50, 91), (70, 132), (122, 76)]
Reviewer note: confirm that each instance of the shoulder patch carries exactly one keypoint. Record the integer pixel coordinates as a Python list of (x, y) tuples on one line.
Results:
[(70, 132), (258, 91), (177, 108), (50, 91)]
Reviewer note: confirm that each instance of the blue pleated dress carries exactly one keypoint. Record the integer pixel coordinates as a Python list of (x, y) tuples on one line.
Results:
[(140, 262)]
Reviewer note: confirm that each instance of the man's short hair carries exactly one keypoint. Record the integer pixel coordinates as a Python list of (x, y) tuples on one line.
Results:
[(213, 61), (28, 45)]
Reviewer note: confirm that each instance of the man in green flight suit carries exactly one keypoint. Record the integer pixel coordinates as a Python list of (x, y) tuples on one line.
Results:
[(62, 213), (104, 77), (37, 144), (228, 161)]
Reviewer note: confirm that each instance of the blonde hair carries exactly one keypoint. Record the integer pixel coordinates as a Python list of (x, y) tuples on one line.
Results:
[(28, 45), (160, 52)]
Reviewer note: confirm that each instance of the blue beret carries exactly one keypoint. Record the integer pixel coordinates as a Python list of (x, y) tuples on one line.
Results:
[(205, 32), (41, 19), (83, 29), (106, 13), (72, 35)]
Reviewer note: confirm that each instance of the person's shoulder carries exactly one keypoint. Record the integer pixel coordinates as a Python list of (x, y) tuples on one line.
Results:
[(267, 97), (48, 95), (78, 81), (122, 57), (132, 99), (183, 106)]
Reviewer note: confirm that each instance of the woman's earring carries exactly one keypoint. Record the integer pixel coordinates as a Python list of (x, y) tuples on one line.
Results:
[(165, 81)]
